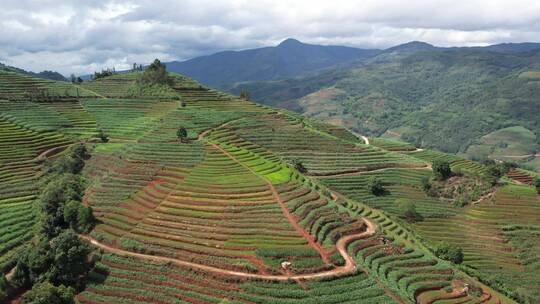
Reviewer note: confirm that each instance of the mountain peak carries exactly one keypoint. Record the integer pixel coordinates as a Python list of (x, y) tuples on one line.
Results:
[(290, 42)]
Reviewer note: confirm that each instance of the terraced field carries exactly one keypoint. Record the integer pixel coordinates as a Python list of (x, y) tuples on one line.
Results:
[(20, 148), (19, 87), (225, 216), (488, 233)]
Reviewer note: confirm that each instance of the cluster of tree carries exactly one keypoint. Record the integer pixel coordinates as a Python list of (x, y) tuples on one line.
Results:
[(60, 199), (463, 189), (495, 170), (58, 259), (245, 95), (155, 74), (449, 252), (75, 79), (375, 186), (441, 169), (137, 67), (104, 73)]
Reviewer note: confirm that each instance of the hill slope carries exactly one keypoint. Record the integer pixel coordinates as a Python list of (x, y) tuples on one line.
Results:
[(442, 98), (228, 215), (289, 59)]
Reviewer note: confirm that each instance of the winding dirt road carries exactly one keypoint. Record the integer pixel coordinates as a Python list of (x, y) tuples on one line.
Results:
[(341, 245)]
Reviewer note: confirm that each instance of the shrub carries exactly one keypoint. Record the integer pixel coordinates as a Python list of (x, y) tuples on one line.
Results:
[(182, 134), (375, 186), (449, 252), (441, 169), (407, 210), (299, 166), (426, 184), (537, 184), (4, 288), (78, 217), (46, 293), (101, 135)]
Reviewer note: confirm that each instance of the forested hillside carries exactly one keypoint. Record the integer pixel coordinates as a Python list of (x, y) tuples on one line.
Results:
[(436, 98)]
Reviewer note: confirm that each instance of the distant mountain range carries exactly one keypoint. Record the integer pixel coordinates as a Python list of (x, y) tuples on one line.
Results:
[(453, 99), (290, 58)]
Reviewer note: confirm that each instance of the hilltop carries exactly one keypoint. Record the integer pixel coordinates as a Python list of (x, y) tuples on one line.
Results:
[(200, 196)]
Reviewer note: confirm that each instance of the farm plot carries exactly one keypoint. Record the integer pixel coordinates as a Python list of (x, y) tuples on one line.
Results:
[(18, 87), (125, 280), (217, 213), (483, 230), (456, 163), (321, 155), (18, 183), (115, 86), (396, 258), (127, 119), (195, 120), (398, 183), (391, 145), (206, 98), (82, 124)]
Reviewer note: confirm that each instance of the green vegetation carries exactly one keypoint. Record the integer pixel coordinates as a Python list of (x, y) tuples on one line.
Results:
[(485, 95), (182, 134), (441, 169), (46, 293), (375, 186), (408, 210), (449, 252)]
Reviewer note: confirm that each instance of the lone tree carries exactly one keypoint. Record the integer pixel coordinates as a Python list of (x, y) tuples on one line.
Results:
[(101, 135), (375, 186), (407, 210), (441, 168), (182, 134), (299, 166), (537, 184), (449, 252)]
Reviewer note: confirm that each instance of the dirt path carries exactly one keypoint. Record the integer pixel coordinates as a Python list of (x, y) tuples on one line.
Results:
[(483, 197), (341, 245), (309, 238), (366, 140)]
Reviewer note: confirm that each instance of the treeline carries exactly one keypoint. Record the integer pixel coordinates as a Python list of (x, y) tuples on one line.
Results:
[(57, 260)]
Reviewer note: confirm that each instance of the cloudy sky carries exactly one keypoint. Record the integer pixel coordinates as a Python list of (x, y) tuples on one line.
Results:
[(84, 36)]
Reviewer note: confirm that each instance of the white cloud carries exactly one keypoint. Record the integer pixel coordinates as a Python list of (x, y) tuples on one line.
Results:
[(82, 36)]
